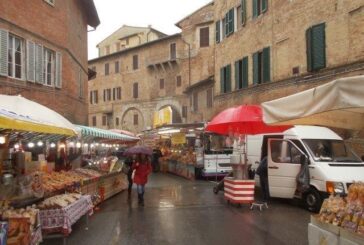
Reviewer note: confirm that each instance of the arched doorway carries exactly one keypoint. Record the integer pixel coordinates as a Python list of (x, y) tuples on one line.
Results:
[(133, 120)]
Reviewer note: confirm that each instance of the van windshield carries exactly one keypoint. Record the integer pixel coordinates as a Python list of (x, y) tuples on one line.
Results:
[(330, 151)]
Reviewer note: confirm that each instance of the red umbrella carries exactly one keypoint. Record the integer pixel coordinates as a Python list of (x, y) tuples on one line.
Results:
[(244, 119)]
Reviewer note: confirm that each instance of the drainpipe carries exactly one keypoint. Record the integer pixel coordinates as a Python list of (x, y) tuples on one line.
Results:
[(189, 61)]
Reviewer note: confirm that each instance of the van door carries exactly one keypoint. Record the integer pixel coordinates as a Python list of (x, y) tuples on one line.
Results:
[(283, 167)]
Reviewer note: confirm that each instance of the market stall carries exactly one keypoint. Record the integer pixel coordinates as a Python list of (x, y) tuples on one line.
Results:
[(338, 104)]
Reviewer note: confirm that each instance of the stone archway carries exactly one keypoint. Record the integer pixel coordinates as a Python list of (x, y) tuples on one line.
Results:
[(176, 109), (132, 119)]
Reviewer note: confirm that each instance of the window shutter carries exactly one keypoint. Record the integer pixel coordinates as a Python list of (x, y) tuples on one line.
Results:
[(255, 68), (264, 5), (39, 78), (217, 31), (228, 78), (237, 75), (245, 72), (91, 93), (255, 8), (318, 47), (231, 21), (227, 24), (96, 96), (243, 12), (266, 64), (4, 43), (30, 61), (308, 48), (222, 82), (58, 70)]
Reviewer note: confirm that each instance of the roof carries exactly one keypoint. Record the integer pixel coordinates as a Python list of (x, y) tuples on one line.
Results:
[(200, 84), (134, 48), (312, 132), (133, 30), (204, 6), (91, 13)]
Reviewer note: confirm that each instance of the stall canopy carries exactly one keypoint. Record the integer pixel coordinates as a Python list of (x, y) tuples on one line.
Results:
[(91, 133), (21, 114), (339, 104)]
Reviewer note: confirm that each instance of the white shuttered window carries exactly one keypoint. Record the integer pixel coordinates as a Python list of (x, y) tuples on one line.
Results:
[(30, 61), (39, 64), (58, 70), (4, 36)]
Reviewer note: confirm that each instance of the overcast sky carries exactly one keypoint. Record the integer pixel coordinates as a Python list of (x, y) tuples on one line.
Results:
[(161, 14)]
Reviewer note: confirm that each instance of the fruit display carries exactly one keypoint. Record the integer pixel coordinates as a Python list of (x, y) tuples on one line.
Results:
[(348, 212), (88, 172), (59, 201), (182, 156)]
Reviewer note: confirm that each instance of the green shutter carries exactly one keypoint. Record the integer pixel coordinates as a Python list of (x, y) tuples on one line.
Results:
[(264, 5), (231, 14), (266, 65), (318, 47), (243, 12), (255, 8), (217, 31), (222, 82), (245, 72), (255, 68), (308, 48), (237, 75), (227, 24), (228, 78)]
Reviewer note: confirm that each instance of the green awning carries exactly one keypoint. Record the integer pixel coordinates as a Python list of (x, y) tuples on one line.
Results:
[(91, 132)]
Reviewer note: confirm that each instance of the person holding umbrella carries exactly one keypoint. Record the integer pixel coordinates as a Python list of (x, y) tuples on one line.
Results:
[(142, 169)]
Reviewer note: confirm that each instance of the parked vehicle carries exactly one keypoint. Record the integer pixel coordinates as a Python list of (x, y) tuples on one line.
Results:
[(333, 165)]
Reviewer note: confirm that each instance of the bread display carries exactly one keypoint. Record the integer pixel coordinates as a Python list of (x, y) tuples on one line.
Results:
[(59, 201)]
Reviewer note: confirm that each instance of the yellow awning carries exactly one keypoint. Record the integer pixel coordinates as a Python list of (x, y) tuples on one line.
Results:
[(15, 124)]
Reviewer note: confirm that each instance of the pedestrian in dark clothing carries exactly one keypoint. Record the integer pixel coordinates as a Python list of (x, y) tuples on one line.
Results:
[(262, 171), (142, 169), (155, 159), (129, 162)]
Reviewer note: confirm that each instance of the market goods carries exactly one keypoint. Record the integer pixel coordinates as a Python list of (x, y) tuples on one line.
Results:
[(88, 172), (19, 231), (30, 213), (347, 213), (59, 201), (59, 180)]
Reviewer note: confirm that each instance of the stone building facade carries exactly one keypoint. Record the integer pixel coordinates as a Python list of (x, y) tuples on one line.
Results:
[(128, 37), (43, 53), (132, 84), (266, 49)]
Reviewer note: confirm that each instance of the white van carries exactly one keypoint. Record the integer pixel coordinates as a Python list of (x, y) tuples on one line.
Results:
[(333, 165)]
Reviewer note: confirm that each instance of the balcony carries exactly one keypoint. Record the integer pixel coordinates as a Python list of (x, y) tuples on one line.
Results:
[(165, 59)]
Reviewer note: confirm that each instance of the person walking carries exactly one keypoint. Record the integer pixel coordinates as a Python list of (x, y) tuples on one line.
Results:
[(262, 171), (142, 169), (129, 162), (155, 159)]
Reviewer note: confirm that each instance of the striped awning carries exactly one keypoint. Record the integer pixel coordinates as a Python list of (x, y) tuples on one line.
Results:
[(91, 132)]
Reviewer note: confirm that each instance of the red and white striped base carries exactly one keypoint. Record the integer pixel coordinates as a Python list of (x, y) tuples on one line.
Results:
[(239, 191)]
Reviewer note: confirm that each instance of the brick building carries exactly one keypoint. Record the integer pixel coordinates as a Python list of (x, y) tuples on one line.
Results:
[(134, 83), (43, 52), (244, 52), (266, 49)]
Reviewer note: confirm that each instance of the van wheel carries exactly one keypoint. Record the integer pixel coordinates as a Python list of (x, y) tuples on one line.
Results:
[(312, 200)]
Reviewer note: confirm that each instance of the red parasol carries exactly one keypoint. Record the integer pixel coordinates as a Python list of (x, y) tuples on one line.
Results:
[(244, 119)]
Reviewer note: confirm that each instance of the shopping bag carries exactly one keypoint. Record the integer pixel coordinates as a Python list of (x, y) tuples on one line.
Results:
[(303, 177)]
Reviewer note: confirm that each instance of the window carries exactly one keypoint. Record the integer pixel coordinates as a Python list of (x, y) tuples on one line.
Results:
[(259, 7), (106, 69), (223, 28), (285, 152), (195, 101), (107, 49), (209, 98), (94, 121), (179, 81), (242, 12), (108, 94), (94, 97), (204, 37), (261, 66), (118, 93), (48, 68), (316, 47), (135, 90), (241, 73), (114, 94), (184, 111), (173, 51), (135, 62), (135, 121), (117, 121), (15, 57), (161, 83), (80, 83), (225, 79), (117, 67), (104, 120), (217, 31), (229, 22)]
